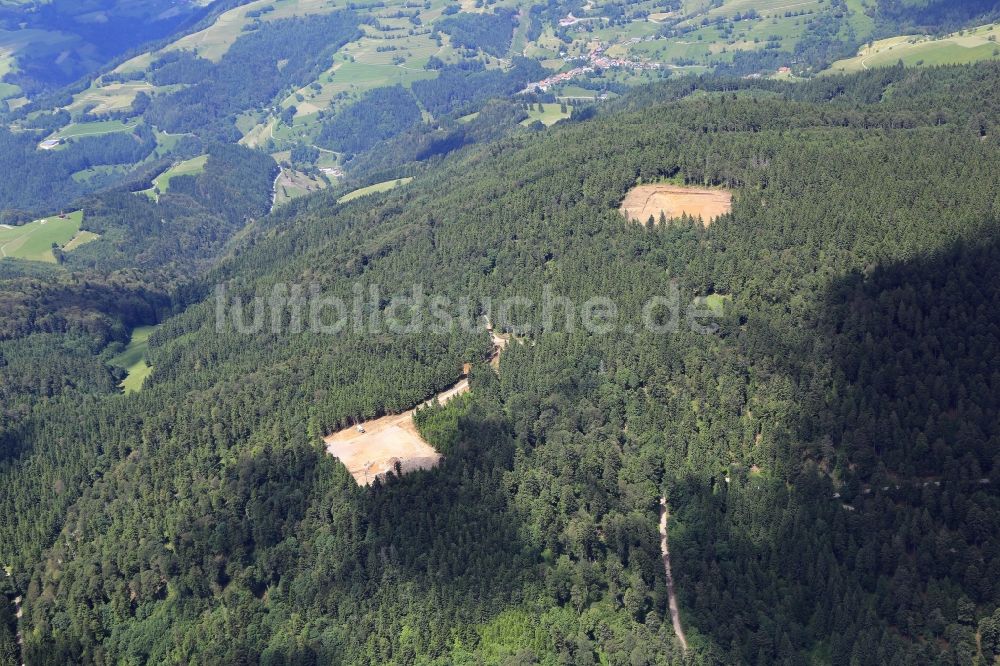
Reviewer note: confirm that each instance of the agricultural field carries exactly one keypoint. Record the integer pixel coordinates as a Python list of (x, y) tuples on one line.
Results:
[(81, 238), (133, 359), (550, 114), (161, 183), (357, 70), (96, 128), (28, 40), (765, 8), (398, 39), (165, 142), (214, 41), (103, 97), (714, 43), (34, 241), (91, 173), (373, 189), (7, 64), (292, 184), (957, 48)]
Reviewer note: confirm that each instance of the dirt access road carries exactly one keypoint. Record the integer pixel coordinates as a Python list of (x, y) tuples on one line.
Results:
[(675, 614)]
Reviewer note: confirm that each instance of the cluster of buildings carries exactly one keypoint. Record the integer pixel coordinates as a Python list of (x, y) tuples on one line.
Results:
[(561, 77), (596, 59), (573, 20)]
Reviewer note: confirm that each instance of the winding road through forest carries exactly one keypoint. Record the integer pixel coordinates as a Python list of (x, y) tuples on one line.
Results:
[(675, 614)]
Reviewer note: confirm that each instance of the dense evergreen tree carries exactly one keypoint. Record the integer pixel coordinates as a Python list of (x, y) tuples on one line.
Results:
[(491, 33), (380, 114)]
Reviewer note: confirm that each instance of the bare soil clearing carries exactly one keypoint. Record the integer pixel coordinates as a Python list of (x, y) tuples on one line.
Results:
[(386, 441), (372, 449), (674, 201)]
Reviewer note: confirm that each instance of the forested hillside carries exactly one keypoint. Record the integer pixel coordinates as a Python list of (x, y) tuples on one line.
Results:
[(828, 454), (93, 95)]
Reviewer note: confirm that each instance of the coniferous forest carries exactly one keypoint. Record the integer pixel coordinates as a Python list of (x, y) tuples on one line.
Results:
[(829, 451)]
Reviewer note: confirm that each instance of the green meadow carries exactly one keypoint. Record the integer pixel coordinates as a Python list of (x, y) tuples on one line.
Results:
[(373, 189), (550, 114), (34, 241), (133, 359), (161, 183)]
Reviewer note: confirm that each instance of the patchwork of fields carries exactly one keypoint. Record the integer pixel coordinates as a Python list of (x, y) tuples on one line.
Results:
[(606, 46), (958, 48), (35, 241)]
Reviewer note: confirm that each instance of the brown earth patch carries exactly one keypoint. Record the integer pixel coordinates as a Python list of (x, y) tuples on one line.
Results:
[(674, 201), (380, 444), (386, 441)]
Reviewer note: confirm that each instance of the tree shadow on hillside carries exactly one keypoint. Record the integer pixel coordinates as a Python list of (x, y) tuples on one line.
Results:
[(870, 534), (394, 569), (403, 564)]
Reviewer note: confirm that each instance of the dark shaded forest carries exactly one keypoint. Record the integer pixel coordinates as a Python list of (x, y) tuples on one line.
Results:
[(380, 114), (491, 33)]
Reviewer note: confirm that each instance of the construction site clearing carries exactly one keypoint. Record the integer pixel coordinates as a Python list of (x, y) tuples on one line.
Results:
[(372, 449), (673, 201)]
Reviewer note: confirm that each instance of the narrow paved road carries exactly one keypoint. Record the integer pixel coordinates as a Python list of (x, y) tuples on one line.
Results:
[(675, 614)]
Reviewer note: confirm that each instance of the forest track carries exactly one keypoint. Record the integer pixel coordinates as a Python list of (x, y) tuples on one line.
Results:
[(274, 188), (675, 613)]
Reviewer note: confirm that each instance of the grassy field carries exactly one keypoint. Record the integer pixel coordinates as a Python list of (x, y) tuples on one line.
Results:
[(373, 189), (765, 8), (161, 183), (349, 78), (915, 50), (34, 41), (714, 302), (293, 184), (550, 114), (133, 359), (709, 44), (76, 130), (165, 142), (213, 42), (81, 238), (33, 241), (7, 65), (107, 97), (101, 170), (572, 91)]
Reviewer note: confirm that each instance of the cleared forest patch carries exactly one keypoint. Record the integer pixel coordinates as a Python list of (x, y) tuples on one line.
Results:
[(373, 448), (672, 201)]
